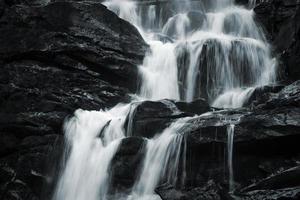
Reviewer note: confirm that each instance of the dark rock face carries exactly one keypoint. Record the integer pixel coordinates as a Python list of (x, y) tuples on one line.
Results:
[(287, 193), (281, 20), (152, 117), (265, 143), (262, 94), (129, 156), (208, 192), (76, 36), (284, 185), (265, 151), (55, 58), (287, 97)]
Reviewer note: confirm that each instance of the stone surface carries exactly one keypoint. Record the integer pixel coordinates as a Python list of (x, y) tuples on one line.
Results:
[(266, 156), (281, 20), (152, 117), (265, 143), (128, 157), (208, 192)]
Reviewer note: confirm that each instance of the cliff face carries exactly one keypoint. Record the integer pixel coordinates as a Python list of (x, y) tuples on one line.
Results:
[(59, 56)]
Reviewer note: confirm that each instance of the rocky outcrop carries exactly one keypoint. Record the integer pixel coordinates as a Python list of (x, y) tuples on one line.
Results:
[(128, 157), (281, 22), (265, 143), (75, 36), (152, 117), (56, 57), (210, 191), (265, 152)]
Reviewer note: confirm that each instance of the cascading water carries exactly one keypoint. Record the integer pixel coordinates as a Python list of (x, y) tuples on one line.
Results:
[(92, 138), (215, 51), (159, 77), (209, 49)]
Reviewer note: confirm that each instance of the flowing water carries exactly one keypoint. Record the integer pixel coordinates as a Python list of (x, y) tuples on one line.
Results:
[(230, 136), (210, 49), (92, 139)]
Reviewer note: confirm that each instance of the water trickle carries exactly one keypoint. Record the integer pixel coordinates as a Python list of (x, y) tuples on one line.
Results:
[(230, 136)]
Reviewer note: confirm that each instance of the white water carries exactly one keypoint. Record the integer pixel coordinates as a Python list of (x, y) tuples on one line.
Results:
[(159, 78), (234, 98), (237, 56), (230, 136), (226, 57), (92, 138)]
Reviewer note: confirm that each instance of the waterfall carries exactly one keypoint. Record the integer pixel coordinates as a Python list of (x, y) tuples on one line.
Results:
[(209, 49), (159, 73), (92, 139), (230, 136), (227, 53)]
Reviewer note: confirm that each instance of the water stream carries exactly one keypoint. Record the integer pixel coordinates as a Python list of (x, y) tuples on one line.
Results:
[(230, 136)]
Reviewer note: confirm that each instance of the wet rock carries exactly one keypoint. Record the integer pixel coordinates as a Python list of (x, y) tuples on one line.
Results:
[(265, 142), (262, 94), (286, 193), (126, 164), (283, 185), (258, 137), (151, 117), (26, 171), (289, 96), (280, 19), (209, 192), (198, 106), (74, 36), (286, 179)]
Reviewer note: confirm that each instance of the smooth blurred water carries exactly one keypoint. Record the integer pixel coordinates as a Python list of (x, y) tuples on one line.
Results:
[(226, 50), (230, 137), (92, 139)]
